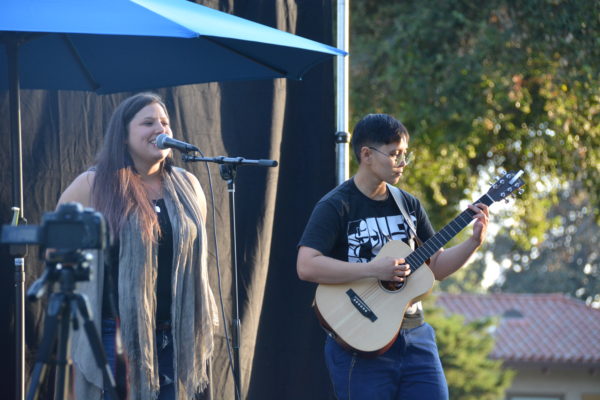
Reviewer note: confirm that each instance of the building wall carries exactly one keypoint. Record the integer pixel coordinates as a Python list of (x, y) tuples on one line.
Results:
[(572, 382)]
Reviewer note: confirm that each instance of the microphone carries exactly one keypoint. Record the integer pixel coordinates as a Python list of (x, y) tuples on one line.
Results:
[(164, 141)]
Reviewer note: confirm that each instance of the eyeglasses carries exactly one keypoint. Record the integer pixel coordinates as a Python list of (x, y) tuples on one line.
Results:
[(397, 159)]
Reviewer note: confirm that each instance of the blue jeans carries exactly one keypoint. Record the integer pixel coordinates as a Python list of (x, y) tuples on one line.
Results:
[(164, 347), (410, 369)]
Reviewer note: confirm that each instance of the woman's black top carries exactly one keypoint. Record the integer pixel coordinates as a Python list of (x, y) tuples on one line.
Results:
[(163, 279)]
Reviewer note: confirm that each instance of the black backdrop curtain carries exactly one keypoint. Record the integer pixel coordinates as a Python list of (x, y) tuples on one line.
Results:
[(289, 121)]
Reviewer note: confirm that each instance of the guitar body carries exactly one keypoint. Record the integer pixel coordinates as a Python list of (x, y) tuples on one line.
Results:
[(372, 334), (366, 315)]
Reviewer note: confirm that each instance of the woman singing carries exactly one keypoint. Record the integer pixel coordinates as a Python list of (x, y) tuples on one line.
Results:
[(154, 283)]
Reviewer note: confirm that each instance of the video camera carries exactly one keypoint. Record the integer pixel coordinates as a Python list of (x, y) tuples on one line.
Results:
[(68, 229)]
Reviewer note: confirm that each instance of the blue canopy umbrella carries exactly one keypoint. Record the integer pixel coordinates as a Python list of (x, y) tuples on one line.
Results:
[(99, 45), (108, 46)]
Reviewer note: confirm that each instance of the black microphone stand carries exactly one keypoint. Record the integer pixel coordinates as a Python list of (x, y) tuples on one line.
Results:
[(228, 171)]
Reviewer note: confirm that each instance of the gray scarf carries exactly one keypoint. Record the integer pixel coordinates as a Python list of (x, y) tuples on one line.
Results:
[(193, 309)]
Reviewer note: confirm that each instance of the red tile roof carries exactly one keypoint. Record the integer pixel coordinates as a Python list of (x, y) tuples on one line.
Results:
[(553, 327)]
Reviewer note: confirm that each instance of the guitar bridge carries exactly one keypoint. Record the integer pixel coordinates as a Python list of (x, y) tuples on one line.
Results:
[(361, 306)]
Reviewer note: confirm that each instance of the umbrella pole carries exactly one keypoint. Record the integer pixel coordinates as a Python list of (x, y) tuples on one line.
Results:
[(18, 252)]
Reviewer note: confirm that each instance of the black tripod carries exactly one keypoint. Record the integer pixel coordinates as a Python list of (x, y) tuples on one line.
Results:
[(66, 268)]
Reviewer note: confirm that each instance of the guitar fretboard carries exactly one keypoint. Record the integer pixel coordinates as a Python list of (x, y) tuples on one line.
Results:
[(437, 241)]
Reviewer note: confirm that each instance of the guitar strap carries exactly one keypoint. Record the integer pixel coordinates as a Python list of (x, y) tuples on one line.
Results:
[(413, 316), (400, 202)]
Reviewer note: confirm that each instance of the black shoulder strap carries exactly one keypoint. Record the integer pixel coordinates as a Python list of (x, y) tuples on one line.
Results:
[(397, 195)]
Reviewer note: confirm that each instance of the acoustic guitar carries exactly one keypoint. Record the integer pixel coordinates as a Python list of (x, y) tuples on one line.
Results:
[(366, 315)]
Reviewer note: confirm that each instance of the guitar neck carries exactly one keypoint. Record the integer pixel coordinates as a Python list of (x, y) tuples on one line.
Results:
[(437, 241)]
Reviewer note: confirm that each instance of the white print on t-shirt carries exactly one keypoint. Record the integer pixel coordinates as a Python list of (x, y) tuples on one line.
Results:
[(367, 236)]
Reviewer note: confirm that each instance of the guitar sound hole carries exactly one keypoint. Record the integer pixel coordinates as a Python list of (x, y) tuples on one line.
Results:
[(391, 286)]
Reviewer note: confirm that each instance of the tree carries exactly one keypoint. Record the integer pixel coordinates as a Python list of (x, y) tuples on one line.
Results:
[(483, 85), (464, 349), (568, 260)]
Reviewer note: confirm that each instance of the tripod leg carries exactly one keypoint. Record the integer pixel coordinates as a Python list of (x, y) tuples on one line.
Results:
[(96, 346), (62, 358), (55, 306)]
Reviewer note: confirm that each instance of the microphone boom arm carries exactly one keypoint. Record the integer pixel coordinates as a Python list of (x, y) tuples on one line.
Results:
[(230, 160)]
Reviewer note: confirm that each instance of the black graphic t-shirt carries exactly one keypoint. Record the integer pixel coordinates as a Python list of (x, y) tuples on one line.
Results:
[(349, 226)]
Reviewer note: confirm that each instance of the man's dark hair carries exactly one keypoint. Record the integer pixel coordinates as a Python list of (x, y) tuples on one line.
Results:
[(377, 129)]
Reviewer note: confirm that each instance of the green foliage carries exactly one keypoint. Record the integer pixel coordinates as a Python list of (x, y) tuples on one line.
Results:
[(566, 261), (468, 279), (464, 349), (483, 86)]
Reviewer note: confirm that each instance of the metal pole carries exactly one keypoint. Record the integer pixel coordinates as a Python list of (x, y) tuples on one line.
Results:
[(342, 136), (236, 328), (20, 328), (228, 173), (15, 124)]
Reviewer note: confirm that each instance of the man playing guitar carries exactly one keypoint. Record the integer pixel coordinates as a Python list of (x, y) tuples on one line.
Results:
[(346, 231)]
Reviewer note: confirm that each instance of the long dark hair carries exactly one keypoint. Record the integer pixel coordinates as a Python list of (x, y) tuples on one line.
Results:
[(118, 191)]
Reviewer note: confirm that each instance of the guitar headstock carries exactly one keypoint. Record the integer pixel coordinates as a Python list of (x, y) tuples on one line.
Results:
[(505, 185)]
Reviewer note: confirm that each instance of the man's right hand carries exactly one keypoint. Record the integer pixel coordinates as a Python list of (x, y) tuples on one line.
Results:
[(389, 269)]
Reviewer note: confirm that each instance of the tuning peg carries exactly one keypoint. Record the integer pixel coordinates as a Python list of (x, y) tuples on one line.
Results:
[(506, 200), (521, 191)]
